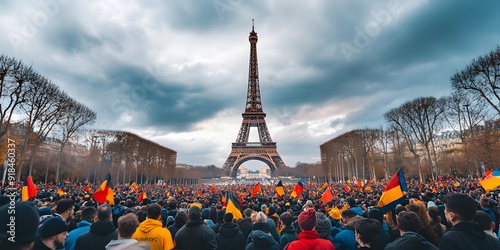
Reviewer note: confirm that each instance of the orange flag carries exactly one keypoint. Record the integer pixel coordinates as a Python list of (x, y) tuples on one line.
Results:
[(327, 196), (256, 189)]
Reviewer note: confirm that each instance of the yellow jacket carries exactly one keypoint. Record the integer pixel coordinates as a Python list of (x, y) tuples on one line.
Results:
[(152, 232)]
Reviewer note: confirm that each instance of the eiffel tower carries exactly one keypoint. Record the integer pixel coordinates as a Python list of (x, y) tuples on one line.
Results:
[(242, 150)]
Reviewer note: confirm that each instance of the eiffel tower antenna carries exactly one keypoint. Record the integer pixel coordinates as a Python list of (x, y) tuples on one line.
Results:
[(265, 149)]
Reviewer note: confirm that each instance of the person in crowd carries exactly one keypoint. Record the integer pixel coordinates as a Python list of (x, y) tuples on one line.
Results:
[(65, 209), (351, 204), (484, 202), (127, 224), (323, 226), (309, 238), (230, 236), (219, 220), (438, 228), (195, 234), (426, 230), (26, 220), (151, 230), (246, 222), (345, 239), (288, 234), (460, 210), (484, 220), (260, 238), (383, 237), (89, 216), (409, 225), (366, 230), (101, 232), (52, 234), (180, 220)]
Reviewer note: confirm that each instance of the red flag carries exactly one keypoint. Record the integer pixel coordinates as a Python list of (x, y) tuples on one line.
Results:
[(347, 188), (327, 196), (256, 189), (142, 196), (87, 188), (487, 173), (213, 189)]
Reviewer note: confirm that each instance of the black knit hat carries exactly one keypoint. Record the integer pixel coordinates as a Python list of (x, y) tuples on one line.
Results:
[(51, 227), (23, 227)]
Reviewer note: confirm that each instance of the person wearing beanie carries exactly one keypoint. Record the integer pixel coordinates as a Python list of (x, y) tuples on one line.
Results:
[(89, 216), (323, 226), (181, 218), (260, 237), (101, 232), (65, 209), (23, 227), (309, 238), (52, 233), (151, 230), (230, 236), (205, 216), (288, 234), (196, 229)]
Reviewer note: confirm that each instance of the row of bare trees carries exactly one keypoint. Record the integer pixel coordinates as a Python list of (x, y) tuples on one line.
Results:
[(415, 128), (31, 108)]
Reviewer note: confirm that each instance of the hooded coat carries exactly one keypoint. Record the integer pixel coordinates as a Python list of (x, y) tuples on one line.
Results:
[(288, 235), (467, 235), (153, 232), (100, 234), (410, 241), (259, 240), (309, 239), (195, 235), (230, 237)]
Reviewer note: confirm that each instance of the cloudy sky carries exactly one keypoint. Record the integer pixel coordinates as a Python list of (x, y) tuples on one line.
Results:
[(175, 72)]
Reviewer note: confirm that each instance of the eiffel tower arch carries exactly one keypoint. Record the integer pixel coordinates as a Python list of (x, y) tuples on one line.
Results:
[(265, 150)]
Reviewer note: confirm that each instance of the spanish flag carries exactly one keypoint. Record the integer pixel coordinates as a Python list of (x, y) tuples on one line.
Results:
[(297, 190), (327, 196), (105, 192), (394, 192), (233, 207), (29, 190), (491, 181), (142, 196), (256, 189), (280, 190)]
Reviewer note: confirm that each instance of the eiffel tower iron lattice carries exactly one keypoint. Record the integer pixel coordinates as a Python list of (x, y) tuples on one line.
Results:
[(242, 150)]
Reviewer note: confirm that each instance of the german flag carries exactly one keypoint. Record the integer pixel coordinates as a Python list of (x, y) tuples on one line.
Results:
[(394, 192), (256, 189), (233, 207), (297, 190), (105, 192), (142, 196), (280, 190), (29, 190)]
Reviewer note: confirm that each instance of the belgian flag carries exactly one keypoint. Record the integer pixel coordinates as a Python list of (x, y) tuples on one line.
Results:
[(29, 190), (280, 190), (105, 192), (233, 207)]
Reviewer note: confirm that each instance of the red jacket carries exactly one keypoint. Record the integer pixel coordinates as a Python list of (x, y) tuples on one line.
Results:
[(310, 240)]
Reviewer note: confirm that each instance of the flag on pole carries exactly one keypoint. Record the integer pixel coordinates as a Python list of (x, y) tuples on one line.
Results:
[(142, 196), (280, 190), (29, 189), (60, 192), (491, 181), (134, 187), (105, 192), (297, 190), (327, 196), (256, 189), (394, 192), (233, 207)]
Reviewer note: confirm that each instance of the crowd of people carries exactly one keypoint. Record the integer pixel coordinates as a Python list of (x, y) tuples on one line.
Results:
[(449, 213)]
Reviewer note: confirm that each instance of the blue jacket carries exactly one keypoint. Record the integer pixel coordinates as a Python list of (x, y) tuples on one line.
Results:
[(345, 240), (81, 228)]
